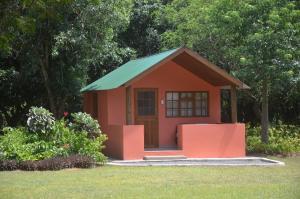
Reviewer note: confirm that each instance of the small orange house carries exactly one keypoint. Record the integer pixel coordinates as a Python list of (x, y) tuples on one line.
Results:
[(166, 104)]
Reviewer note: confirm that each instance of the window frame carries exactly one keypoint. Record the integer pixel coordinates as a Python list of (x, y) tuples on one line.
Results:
[(179, 104)]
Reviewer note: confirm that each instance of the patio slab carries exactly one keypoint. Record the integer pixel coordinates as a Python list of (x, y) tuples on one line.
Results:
[(244, 161)]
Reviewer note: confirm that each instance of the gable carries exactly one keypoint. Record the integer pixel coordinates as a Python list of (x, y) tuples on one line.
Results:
[(178, 79)]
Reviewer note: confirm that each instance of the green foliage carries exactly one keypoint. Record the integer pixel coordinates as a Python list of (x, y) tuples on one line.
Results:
[(54, 48), (78, 41), (144, 30), (19, 144), (84, 122), (256, 41), (11, 143), (79, 142), (22, 145), (40, 120), (283, 139)]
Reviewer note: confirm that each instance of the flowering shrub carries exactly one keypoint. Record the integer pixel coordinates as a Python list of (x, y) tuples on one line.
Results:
[(40, 120), (84, 122)]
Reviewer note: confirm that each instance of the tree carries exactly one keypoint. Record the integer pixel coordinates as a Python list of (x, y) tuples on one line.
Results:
[(61, 42), (257, 41), (144, 30)]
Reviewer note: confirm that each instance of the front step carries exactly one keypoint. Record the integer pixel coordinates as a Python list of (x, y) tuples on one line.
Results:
[(163, 152), (167, 157)]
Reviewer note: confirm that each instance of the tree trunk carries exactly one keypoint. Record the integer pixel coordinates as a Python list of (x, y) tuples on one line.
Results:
[(265, 113), (44, 64), (257, 110)]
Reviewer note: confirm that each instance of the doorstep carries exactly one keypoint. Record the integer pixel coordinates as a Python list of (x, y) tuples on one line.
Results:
[(167, 157)]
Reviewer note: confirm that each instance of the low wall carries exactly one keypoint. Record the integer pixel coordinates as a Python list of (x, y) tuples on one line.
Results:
[(212, 140), (125, 142)]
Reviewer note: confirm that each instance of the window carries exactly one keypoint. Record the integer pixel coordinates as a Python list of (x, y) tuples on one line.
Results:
[(187, 104), (146, 103)]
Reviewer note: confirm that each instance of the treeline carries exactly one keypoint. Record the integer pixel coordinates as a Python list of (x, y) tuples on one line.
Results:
[(50, 49)]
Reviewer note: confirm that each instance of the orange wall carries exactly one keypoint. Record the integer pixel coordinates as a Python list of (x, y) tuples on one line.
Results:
[(111, 106), (212, 140), (133, 142), (116, 99), (172, 77), (87, 102), (114, 144), (125, 142)]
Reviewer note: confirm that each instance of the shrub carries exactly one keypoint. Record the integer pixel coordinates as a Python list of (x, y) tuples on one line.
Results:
[(57, 163), (91, 148), (84, 122), (18, 144), (12, 143), (8, 165), (283, 139), (40, 120), (78, 142), (61, 140)]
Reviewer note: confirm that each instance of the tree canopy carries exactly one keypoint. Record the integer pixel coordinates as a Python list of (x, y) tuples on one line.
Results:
[(50, 49)]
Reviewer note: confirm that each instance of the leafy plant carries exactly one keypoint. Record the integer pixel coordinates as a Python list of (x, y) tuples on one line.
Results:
[(84, 122), (12, 143), (18, 144), (61, 140), (78, 142), (40, 120), (284, 139)]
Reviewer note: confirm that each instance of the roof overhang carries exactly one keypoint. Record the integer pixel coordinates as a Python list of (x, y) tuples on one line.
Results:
[(206, 70)]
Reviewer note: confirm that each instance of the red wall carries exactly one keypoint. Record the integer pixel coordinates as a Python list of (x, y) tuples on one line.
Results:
[(116, 99), (172, 77), (212, 140), (125, 142), (111, 106)]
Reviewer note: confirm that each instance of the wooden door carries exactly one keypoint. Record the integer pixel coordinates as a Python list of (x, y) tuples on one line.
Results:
[(146, 114)]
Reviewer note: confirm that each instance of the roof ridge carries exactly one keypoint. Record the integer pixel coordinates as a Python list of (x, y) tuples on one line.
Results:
[(155, 54)]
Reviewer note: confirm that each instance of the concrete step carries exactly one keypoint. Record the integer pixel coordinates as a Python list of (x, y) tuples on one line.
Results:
[(167, 157), (164, 152)]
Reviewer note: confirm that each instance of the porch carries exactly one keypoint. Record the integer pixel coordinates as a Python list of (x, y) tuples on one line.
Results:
[(126, 142)]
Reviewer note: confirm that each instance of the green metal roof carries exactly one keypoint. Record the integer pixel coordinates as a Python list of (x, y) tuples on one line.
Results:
[(127, 72)]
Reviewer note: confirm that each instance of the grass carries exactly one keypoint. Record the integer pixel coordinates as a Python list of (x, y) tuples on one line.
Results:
[(156, 182)]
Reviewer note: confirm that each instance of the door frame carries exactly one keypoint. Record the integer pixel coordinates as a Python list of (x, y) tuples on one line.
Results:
[(156, 110)]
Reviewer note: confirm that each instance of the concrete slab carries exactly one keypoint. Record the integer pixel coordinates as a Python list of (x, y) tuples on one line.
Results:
[(244, 161)]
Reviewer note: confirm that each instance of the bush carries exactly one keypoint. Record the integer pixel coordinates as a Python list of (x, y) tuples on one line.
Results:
[(20, 145), (40, 120), (57, 163), (12, 143), (78, 142), (8, 165), (23, 145), (283, 139), (84, 122)]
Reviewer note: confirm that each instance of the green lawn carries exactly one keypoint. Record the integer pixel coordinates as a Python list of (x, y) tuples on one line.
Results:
[(156, 182)]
